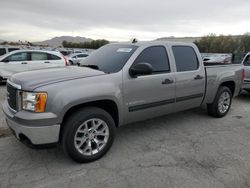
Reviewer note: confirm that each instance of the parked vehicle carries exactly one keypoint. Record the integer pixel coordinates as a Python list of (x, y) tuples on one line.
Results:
[(120, 83), (214, 58), (25, 60), (4, 50), (246, 63), (75, 58)]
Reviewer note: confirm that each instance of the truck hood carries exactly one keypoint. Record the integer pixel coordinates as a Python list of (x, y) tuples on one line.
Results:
[(37, 78)]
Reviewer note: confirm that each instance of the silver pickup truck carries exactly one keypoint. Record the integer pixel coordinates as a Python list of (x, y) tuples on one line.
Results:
[(121, 83)]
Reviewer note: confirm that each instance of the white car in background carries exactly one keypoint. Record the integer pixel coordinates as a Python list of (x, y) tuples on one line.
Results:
[(75, 58), (25, 60), (4, 50)]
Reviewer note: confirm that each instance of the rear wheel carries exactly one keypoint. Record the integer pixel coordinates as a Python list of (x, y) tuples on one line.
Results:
[(222, 103), (88, 134)]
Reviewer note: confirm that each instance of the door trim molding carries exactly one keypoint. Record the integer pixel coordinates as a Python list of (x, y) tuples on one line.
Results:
[(164, 102)]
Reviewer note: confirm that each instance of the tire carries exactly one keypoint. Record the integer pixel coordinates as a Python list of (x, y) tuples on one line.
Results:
[(71, 63), (84, 143), (222, 103)]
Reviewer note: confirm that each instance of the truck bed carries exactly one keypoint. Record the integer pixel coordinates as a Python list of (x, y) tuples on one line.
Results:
[(217, 74)]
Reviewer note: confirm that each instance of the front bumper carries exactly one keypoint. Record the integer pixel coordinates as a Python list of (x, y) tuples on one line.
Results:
[(37, 133)]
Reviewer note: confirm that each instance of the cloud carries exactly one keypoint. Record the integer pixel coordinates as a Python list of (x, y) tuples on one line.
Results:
[(121, 20)]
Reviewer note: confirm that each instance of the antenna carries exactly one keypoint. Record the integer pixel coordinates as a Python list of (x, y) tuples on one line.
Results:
[(134, 40)]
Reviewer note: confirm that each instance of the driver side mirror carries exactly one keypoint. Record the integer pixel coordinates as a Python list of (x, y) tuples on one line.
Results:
[(141, 69)]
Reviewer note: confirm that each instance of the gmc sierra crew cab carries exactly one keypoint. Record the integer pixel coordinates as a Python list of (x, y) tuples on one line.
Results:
[(120, 83)]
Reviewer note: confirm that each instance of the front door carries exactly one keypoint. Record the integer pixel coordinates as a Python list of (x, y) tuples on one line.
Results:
[(15, 63), (150, 95)]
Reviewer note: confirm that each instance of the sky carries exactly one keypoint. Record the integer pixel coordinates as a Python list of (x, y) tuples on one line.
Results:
[(116, 20)]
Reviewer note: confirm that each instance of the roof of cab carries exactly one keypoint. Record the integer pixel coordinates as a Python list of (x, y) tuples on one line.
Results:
[(148, 43)]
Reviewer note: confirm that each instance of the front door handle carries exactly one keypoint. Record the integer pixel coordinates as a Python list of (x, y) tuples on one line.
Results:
[(24, 63), (46, 62), (167, 81), (198, 77)]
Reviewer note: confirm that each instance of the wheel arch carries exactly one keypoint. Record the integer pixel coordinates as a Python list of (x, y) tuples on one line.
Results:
[(108, 105), (230, 84)]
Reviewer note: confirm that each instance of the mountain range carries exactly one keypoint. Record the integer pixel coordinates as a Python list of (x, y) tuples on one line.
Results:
[(57, 41)]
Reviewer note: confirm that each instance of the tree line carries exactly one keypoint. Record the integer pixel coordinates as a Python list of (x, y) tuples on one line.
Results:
[(94, 44), (224, 44)]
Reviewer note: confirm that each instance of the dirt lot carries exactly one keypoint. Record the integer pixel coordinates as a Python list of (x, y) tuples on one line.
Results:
[(188, 149)]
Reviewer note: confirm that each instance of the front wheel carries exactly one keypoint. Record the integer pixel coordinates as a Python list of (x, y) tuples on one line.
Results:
[(88, 134), (222, 103)]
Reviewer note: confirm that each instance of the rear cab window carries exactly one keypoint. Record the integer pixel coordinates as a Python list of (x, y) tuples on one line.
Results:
[(185, 58), (157, 57)]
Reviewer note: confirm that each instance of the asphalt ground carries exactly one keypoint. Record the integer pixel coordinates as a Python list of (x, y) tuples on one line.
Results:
[(187, 149)]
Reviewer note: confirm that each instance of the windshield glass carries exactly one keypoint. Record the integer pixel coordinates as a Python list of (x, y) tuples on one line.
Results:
[(110, 58)]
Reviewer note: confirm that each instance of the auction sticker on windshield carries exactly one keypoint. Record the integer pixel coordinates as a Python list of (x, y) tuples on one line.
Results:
[(124, 50)]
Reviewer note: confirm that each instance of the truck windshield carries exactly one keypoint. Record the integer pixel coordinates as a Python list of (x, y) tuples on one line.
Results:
[(109, 58)]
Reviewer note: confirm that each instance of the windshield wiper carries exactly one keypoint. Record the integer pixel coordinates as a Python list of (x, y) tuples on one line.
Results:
[(91, 66)]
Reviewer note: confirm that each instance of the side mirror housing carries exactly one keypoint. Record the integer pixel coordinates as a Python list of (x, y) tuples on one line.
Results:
[(141, 69)]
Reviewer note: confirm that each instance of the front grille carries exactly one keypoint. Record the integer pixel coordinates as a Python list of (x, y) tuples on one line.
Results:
[(12, 96)]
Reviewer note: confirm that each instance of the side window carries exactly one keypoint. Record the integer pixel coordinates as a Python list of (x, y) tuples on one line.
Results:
[(38, 56), (21, 56), (247, 61), (156, 56), (185, 58), (53, 57), (2, 51)]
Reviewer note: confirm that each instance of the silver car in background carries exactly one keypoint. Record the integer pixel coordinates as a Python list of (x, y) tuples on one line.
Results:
[(25, 60), (7, 49)]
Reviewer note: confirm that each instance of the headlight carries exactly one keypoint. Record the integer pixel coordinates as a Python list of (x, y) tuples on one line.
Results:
[(34, 101)]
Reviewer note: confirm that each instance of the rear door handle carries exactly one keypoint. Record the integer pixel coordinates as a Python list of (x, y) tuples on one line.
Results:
[(167, 81), (24, 63), (198, 77), (46, 62)]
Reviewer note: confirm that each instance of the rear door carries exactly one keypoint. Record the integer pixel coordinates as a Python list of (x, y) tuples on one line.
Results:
[(39, 60), (150, 95), (190, 78)]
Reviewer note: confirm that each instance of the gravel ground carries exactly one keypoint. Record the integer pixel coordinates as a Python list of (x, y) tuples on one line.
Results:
[(187, 149)]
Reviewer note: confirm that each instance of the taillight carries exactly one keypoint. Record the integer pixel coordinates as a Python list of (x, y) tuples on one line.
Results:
[(243, 73), (66, 60)]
